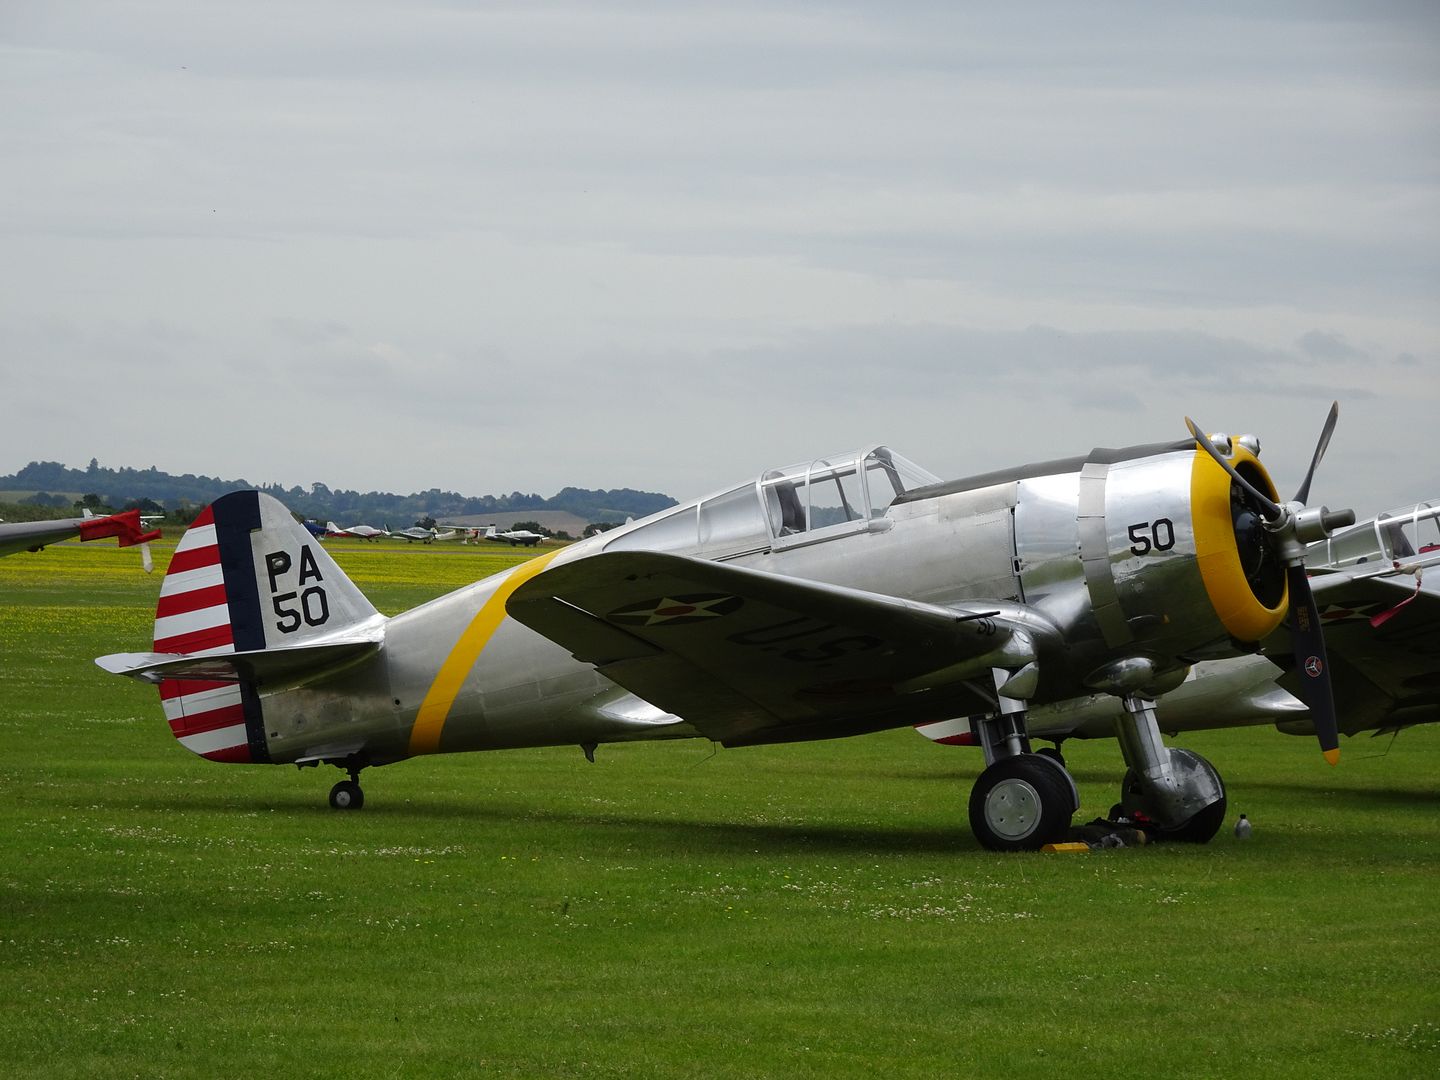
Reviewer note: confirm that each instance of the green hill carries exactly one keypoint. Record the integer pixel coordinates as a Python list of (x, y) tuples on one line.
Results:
[(50, 484)]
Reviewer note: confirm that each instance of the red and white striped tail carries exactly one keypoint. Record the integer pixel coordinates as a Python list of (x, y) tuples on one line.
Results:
[(193, 618), (249, 590), (208, 718), (193, 615)]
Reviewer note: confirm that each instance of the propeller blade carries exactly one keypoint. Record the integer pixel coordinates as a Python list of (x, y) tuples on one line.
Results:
[(1268, 506), (1303, 495), (1308, 641)]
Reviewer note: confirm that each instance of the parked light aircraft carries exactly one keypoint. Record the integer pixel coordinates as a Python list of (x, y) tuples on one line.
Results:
[(364, 532), (413, 534), (835, 597), (1382, 631), (34, 535), (513, 537)]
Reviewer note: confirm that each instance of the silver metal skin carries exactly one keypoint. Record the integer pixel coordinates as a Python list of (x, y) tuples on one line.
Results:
[(839, 596), (1238, 692), (523, 691)]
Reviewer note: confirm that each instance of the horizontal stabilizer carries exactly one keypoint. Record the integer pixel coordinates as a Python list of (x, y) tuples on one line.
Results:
[(260, 667)]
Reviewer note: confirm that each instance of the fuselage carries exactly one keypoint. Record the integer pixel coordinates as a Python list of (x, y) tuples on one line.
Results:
[(1040, 544)]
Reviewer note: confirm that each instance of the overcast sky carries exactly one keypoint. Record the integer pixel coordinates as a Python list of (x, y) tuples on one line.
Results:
[(499, 246)]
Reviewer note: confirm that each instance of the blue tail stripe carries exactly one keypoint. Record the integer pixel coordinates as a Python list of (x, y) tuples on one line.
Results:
[(237, 515)]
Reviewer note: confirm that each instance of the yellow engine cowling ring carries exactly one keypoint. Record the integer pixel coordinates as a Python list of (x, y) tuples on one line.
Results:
[(1248, 613)]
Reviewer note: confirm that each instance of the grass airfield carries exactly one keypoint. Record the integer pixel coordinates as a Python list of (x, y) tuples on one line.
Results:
[(810, 910)]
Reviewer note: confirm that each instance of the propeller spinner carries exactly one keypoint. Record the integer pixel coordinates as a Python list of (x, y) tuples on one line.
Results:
[(1289, 527)]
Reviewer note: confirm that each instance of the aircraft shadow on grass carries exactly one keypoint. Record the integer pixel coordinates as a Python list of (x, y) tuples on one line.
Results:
[(687, 836), (1358, 797), (691, 836)]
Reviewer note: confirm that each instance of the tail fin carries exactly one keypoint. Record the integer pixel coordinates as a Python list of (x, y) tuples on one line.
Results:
[(250, 595), (247, 576)]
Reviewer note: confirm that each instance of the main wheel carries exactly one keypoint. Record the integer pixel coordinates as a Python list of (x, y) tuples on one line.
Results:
[(1021, 803), (1200, 827), (346, 795)]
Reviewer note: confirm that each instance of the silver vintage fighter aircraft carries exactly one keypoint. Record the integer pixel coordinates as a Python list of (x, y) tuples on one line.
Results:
[(836, 597)]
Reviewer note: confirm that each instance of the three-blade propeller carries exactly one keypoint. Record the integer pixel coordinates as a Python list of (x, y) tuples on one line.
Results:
[(1291, 526)]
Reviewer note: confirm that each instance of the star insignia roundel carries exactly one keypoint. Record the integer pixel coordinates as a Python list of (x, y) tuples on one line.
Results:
[(672, 610)]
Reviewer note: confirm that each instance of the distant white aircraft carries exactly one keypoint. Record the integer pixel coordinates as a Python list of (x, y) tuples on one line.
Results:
[(514, 537), (364, 532), (413, 534)]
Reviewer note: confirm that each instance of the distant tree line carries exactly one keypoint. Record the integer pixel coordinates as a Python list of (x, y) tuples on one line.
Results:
[(156, 492)]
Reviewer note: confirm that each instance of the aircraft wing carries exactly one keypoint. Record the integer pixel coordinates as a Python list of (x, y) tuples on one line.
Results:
[(33, 535), (747, 656), (1382, 635)]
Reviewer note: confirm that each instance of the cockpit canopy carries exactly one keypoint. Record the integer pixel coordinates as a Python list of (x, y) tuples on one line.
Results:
[(799, 504), (1385, 539)]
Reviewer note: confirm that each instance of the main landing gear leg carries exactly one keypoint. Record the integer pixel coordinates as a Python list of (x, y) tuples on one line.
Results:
[(1021, 801), (346, 795), (1178, 789)]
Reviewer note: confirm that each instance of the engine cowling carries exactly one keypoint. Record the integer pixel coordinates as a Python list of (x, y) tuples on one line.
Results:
[(1174, 562)]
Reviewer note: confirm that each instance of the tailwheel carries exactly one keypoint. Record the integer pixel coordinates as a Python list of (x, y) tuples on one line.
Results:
[(1021, 803), (346, 795)]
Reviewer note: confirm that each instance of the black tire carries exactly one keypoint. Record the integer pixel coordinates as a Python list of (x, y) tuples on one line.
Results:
[(346, 795), (1201, 828), (1021, 803), (1053, 753)]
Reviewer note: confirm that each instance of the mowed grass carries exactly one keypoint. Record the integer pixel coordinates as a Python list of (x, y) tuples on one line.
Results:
[(810, 910)]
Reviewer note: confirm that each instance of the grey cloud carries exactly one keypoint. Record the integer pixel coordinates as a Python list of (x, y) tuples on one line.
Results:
[(1042, 360), (1330, 347), (310, 332), (714, 235)]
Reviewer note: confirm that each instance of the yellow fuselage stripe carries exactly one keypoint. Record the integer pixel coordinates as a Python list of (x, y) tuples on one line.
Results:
[(430, 720)]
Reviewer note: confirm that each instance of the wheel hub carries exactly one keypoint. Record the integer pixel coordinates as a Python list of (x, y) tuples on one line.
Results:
[(1012, 809)]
